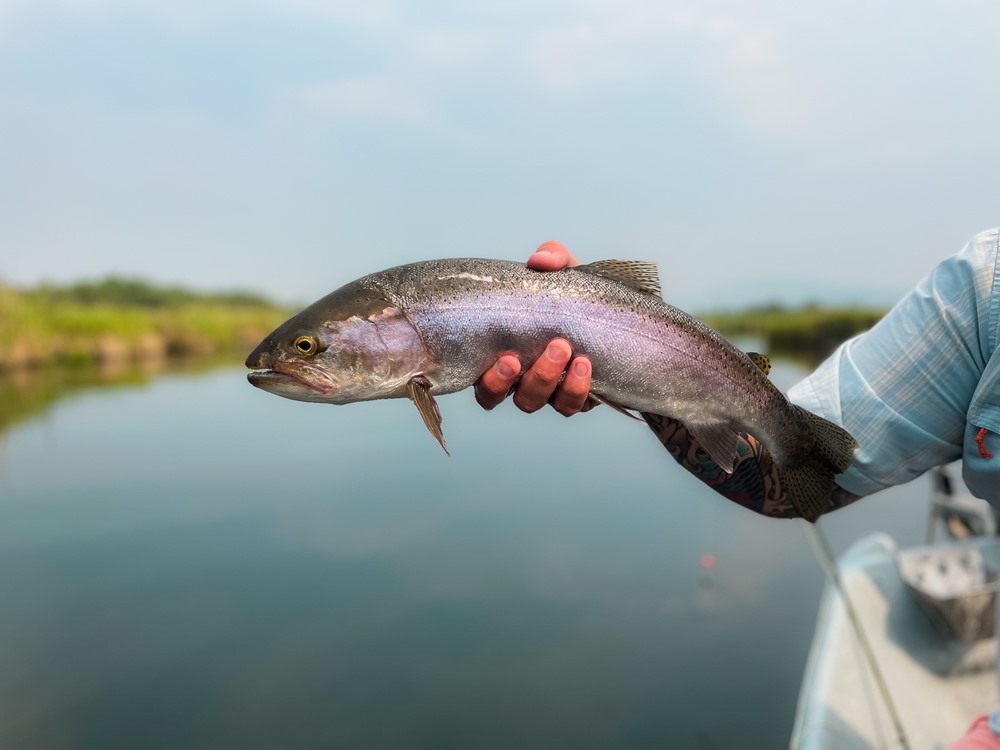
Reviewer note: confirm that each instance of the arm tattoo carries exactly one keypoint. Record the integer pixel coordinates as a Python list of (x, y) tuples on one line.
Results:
[(755, 482)]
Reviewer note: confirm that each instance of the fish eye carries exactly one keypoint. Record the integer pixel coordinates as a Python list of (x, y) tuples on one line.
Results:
[(306, 345)]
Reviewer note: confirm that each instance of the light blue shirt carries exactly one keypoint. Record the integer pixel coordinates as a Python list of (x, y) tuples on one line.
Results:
[(916, 388)]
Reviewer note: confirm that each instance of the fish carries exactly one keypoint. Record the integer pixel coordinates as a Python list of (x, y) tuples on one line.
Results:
[(430, 328)]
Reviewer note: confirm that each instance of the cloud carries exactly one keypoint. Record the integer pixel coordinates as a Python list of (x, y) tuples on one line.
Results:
[(559, 48), (367, 13), (368, 98), (193, 16), (443, 47), (20, 14), (565, 50), (758, 77), (639, 42)]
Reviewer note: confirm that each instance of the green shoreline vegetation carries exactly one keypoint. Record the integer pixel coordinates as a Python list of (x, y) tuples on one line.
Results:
[(808, 334), (56, 341), (121, 320)]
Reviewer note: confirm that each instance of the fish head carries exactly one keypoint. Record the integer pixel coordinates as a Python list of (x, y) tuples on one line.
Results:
[(353, 345)]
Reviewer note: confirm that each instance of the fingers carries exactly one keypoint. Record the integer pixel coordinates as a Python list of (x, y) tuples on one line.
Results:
[(552, 256), (495, 384), (571, 396), (540, 381)]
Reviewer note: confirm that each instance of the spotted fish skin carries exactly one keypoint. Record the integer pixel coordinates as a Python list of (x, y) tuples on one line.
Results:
[(446, 322)]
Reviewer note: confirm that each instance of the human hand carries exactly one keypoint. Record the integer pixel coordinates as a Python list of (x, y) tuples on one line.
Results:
[(540, 384)]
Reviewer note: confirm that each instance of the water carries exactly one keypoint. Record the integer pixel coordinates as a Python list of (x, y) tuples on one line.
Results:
[(190, 563)]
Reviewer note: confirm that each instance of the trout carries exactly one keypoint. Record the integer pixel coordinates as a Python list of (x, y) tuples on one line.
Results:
[(430, 328)]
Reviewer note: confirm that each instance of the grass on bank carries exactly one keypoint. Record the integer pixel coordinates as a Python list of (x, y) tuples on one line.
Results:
[(124, 319), (809, 333)]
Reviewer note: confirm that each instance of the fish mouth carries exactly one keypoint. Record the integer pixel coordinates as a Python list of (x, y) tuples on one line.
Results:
[(267, 379), (299, 383)]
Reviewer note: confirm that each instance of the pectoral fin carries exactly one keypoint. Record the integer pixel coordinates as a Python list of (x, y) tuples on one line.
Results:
[(718, 440), (419, 390)]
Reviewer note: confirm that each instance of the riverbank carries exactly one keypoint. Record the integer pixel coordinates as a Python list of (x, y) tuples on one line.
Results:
[(118, 321), (806, 334)]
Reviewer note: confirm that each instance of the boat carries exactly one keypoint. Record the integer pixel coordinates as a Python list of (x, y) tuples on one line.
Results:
[(904, 653)]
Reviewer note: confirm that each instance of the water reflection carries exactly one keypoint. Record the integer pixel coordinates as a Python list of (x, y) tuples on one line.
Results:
[(30, 392)]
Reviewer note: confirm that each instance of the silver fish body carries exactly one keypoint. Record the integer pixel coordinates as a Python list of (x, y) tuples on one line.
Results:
[(434, 327)]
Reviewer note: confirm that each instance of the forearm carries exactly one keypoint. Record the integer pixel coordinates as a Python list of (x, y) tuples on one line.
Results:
[(755, 482)]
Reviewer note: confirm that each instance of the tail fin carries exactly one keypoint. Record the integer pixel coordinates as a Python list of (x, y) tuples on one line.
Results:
[(809, 485)]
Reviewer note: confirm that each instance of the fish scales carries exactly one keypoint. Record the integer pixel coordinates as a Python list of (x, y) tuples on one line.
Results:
[(644, 352), (434, 327)]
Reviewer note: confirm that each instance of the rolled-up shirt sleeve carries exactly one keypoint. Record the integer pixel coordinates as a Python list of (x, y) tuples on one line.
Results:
[(904, 388)]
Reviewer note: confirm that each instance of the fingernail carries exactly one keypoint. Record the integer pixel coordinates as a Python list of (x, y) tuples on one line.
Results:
[(581, 367), (555, 353), (504, 370)]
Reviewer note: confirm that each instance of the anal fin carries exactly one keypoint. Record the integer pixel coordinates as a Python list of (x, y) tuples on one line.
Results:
[(718, 440), (419, 390)]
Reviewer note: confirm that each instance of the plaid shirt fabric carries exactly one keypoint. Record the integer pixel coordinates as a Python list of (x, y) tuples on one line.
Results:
[(916, 389)]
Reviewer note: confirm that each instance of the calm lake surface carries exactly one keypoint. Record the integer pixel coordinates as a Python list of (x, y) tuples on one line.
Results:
[(192, 563)]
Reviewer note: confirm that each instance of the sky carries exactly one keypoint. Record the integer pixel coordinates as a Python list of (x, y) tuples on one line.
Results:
[(758, 151)]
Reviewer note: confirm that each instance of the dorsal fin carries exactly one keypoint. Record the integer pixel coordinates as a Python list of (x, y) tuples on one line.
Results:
[(641, 275), (762, 361)]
